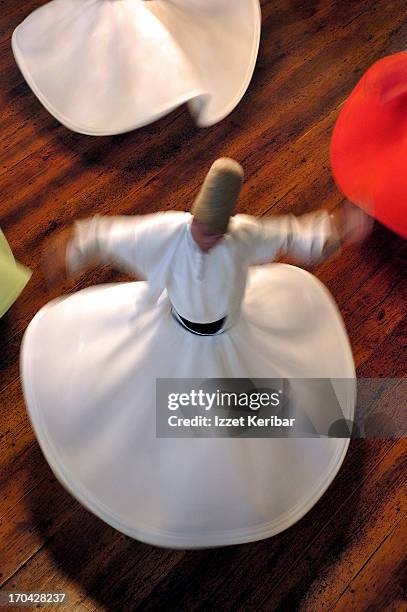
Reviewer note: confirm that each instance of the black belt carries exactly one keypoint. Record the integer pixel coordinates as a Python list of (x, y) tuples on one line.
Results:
[(201, 329)]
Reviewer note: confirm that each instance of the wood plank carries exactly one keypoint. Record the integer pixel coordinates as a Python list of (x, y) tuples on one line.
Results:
[(389, 357), (381, 583)]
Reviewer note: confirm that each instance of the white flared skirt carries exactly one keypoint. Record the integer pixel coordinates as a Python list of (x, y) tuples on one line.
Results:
[(104, 67), (89, 367)]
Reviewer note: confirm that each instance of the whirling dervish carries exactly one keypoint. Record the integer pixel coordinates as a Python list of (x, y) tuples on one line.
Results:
[(109, 66), (212, 305)]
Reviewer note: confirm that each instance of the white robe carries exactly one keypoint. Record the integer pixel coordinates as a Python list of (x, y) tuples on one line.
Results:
[(90, 363)]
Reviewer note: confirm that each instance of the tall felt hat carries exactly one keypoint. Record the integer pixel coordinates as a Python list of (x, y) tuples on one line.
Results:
[(369, 143), (103, 67), (13, 276), (218, 195)]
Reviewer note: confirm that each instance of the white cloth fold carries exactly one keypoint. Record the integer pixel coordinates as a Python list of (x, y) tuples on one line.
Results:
[(109, 66)]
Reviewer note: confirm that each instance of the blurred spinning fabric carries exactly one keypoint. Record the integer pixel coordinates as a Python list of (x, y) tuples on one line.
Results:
[(109, 66), (369, 143)]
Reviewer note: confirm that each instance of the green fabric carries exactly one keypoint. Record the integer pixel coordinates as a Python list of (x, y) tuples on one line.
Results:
[(4, 247), (13, 276)]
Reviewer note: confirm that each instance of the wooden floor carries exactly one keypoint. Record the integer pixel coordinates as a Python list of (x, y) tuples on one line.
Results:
[(348, 552)]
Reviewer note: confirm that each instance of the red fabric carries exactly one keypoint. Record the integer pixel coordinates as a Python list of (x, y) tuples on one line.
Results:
[(369, 143)]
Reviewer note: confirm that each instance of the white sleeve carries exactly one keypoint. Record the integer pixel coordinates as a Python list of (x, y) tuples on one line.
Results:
[(111, 239), (310, 238)]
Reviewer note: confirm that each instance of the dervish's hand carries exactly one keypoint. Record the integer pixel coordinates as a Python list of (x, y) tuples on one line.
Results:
[(352, 224), (54, 258)]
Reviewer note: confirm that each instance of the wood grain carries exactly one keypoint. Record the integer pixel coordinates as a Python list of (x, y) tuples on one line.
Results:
[(381, 582), (348, 552)]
